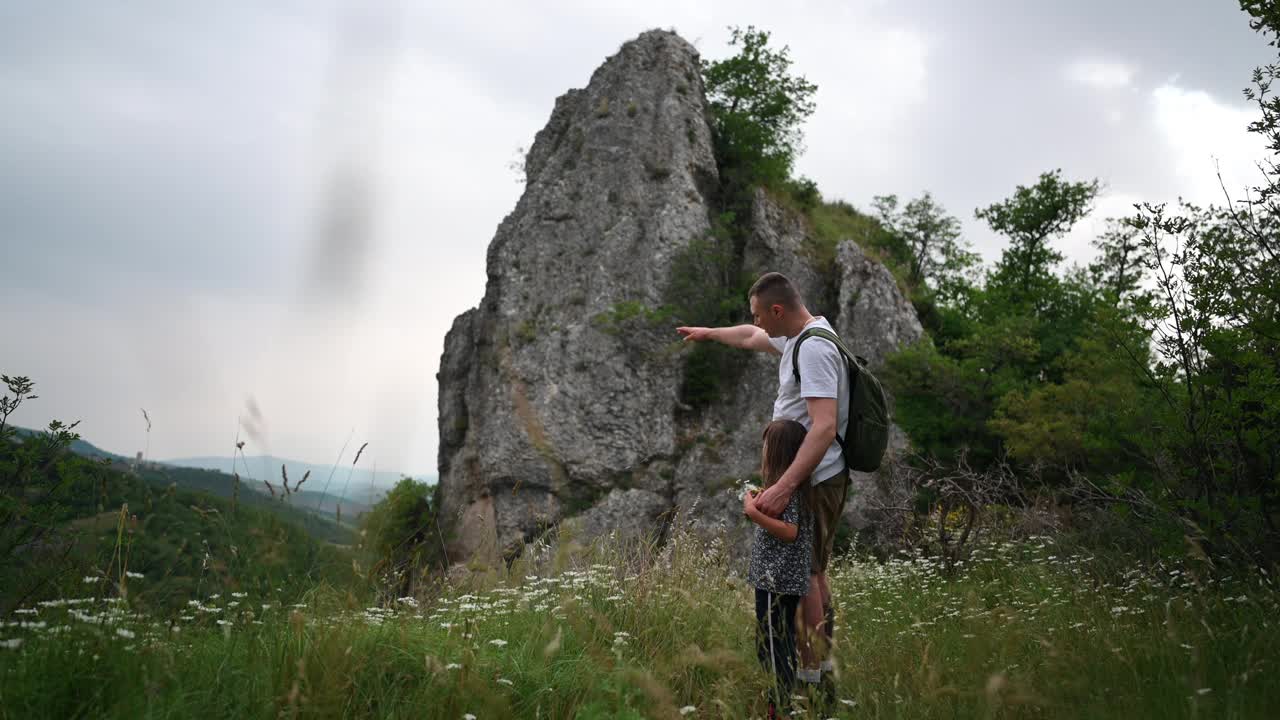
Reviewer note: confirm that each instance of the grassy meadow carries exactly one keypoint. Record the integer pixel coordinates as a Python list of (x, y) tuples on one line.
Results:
[(1029, 629)]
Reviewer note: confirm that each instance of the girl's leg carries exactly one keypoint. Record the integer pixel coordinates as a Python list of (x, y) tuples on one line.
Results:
[(776, 641), (787, 607), (763, 652)]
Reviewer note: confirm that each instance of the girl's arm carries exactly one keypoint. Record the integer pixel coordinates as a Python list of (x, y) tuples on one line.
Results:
[(784, 531)]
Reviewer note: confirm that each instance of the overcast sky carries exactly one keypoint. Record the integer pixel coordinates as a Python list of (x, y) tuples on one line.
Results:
[(177, 180)]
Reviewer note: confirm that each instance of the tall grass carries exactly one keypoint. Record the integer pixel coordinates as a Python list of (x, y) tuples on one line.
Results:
[(631, 631)]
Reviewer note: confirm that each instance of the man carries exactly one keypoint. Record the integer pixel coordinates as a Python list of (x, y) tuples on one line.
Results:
[(819, 402)]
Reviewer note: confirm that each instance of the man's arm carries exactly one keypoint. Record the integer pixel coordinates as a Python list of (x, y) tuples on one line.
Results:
[(784, 531), (745, 337), (820, 436)]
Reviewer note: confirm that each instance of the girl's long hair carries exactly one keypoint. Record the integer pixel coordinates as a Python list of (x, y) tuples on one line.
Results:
[(782, 440)]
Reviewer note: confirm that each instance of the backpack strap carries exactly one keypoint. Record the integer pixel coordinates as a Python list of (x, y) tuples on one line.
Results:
[(850, 361), (829, 337)]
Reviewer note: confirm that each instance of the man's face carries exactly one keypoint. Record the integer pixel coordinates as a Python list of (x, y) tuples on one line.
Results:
[(766, 317)]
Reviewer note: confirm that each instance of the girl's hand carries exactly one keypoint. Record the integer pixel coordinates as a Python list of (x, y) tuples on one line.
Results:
[(749, 503), (773, 500)]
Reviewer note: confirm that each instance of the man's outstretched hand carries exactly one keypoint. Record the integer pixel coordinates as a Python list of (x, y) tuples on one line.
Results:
[(695, 334), (773, 500)]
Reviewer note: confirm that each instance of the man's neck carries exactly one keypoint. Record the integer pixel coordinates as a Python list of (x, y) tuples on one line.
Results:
[(802, 319)]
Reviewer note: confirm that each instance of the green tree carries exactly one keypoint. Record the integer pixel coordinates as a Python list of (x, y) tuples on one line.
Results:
[(975, 387), (945, 398), (403, 537), (37, 472), (932, 248), (757, 107), (1213, 318), (1095, 420), (1026, 283), (1031, 219), (1119, 269)]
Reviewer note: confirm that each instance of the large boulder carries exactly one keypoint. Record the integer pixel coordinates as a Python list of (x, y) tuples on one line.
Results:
[(542, 408), (560, 394)]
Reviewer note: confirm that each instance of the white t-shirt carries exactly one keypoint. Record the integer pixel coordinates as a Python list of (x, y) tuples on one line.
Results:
[(822, 375)]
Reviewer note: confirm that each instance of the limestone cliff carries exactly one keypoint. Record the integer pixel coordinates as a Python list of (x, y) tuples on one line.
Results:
[(554, 402)]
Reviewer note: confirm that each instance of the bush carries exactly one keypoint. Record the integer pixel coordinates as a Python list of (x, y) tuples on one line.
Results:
[(403, 538)]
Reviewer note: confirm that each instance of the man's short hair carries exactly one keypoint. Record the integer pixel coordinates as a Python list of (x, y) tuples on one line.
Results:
[(775, 289)]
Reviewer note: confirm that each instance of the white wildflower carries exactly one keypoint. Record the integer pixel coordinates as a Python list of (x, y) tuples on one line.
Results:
[(13, 644), (506, 682), (134, 575), (453, 666), (688, 709), (126, 634), (498, 643), (1204, 691), (90, 579)]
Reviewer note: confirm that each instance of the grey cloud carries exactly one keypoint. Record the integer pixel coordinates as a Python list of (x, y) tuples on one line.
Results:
[(186, 149)]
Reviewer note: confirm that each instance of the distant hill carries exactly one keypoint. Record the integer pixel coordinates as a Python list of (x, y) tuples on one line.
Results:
[(316, 512), (356, 490), (181, 533), (358, 484), (321, 519)]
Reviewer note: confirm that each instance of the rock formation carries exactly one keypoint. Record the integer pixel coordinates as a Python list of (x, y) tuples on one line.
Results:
[(560, 394)]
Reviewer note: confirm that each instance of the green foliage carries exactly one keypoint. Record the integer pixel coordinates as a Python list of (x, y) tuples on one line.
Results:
[(708, 287), (629, 315), (943, 400), (1031, 218), (1214, 315), (996, 343), (803, 192), (38, 479), (757, 107), (403, 537), (1121, 263), (833, 222), (1096, 419), (927, 241)]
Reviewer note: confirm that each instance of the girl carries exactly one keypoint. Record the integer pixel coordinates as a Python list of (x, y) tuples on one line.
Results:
[(781, 554)]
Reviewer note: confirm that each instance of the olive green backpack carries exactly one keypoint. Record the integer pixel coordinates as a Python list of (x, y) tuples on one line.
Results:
[(866, 436)]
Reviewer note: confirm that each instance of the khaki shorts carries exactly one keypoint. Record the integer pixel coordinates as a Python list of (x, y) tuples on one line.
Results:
[(828, 502)]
